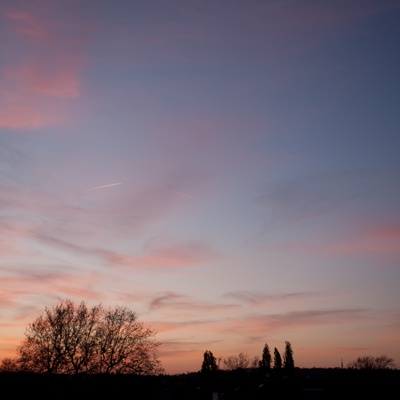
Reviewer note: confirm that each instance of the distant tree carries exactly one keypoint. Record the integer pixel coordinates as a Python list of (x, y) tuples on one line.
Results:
[(255, 362), (266, 359), (277, 360), (384, 362), (209, 363), (241, 360), (9, 365), (288, 362), (370, 362), (71, 339)]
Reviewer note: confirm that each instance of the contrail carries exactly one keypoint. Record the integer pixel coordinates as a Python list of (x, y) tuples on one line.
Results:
[(150, 186), (105, 186)]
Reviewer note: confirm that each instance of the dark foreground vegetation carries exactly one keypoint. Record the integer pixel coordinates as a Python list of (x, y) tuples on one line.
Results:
[(312, 383), (73, 351)]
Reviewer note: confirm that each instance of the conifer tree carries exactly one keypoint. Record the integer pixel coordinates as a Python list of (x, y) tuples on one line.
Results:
[(265, 362), (288, 362), (209, 362), (277, 360)]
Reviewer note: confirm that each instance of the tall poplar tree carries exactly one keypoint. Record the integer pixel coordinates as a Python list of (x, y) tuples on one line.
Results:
[(288, 362), (277, 360), (266, 359), (209, 362)]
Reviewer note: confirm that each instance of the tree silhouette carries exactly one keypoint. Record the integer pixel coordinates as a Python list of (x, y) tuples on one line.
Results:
[(9, 365), (288, 362), (71, 339), (369, 362), (277, 360), (242, 360), (209, 362), (266, 359)]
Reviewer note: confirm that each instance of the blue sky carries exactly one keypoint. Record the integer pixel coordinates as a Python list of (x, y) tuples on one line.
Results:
[(227, 169)]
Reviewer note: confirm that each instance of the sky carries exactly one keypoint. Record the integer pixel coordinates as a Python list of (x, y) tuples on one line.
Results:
[(227, 169)]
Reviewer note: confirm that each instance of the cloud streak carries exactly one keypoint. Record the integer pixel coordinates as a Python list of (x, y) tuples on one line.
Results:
[(104, 186), (257, 298), (175, 301)]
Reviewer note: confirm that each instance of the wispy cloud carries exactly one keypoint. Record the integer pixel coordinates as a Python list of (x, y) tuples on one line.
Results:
[(251, 325), (42, 208), (383, 238), (294, 200), (300, 200), (177, 256), (364, 238), (55, 281), (185, 346), (256, 298), (173, 300)]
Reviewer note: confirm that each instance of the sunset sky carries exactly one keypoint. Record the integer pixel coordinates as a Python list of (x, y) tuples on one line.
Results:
[(228, 169)]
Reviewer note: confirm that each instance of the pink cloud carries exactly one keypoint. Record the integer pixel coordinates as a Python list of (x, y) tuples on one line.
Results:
[(152, 260), (178, 256), (184, 326), (356, 237), (27, 25), (36, 81), (384, 239), (24, 282)]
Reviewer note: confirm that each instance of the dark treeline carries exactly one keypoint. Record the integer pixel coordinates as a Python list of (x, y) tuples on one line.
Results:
[(75, 351), (314, 383)]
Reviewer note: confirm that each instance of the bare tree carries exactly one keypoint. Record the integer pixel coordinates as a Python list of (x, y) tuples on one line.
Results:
[(79, 335), (73, 339), (9, 365), (241, 360), (255, 362), (370, 362), (124, 344), (44, 348)]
